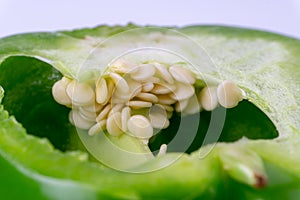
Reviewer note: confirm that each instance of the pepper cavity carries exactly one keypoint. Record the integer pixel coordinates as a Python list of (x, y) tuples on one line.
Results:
[(139, 99)]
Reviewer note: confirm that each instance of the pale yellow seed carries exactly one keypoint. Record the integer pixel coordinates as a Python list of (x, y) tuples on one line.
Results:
[(87, 114), (103, 113), (126, 113), (111, 88), (120, 83), (139, 104), (116, 100), (79, 121), (86, 117), (59, 92), (118, 97), (115, 108), (182, 75), (162, 150), (169, 115), (101, 91), (140, 127), (168, 108), (95, 107), (114, 124), (181, 105), (229, 94), (123, 67), (164, 73), (158, 117), (182, 91), (208, 98), (165, 99), (147, 87), (134, 89), (163, 88), (144, 72), (193, 106), (81, 93), (151, 80), (147, 97), (97, 128)]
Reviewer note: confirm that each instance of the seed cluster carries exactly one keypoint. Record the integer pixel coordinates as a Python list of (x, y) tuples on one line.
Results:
[(139, 99)]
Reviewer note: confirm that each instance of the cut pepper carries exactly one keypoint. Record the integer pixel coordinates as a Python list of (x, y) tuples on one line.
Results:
[(264, 65)]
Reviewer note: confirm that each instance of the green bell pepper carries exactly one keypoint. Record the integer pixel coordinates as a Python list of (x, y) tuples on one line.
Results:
[(42, 157)]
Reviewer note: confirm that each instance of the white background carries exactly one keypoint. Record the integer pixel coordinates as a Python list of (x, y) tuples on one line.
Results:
[(18, 16)]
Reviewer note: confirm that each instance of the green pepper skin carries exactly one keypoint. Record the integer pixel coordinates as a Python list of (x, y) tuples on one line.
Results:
[(265, 65)]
